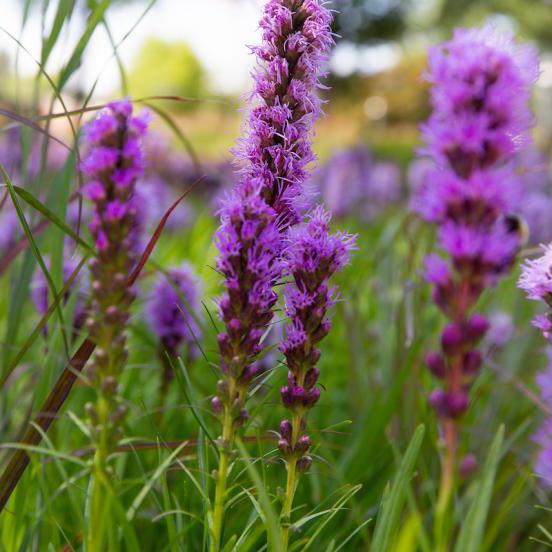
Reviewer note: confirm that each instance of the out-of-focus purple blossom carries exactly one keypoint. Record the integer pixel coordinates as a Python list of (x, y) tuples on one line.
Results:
[(152, 197), (112, 164), (42, 296), (269, 196), (173, 309), (418, 175), (501, 329), (10, 227), (314, 255), (352, 182), (543, 436), (535, 207), (481, 83)]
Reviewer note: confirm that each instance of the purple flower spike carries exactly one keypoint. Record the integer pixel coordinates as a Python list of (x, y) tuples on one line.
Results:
[(481, 83), (313, 256), (269, 196), (113, 144)]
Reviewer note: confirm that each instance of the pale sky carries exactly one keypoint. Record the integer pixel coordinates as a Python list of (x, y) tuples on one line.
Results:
[(217, 30)]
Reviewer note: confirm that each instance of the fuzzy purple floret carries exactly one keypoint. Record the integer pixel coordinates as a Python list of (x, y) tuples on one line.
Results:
[(296, 40), (481, 85), (173, 309)]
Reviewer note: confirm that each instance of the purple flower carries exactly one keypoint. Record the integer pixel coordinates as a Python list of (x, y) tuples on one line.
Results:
[(269, 195), (543, 436), (536, 276), (173, 309), (112, 164), (313, 256), (351, 182), (481, 83)]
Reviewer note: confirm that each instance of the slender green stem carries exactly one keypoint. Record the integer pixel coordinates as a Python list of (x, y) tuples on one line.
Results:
[(446, 488), (222, 476), (100, 488), (291, 484)]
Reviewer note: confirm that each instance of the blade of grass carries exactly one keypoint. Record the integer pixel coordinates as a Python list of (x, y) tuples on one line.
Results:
[(471, 532), (387, 524), (274, 537), (36, 252)]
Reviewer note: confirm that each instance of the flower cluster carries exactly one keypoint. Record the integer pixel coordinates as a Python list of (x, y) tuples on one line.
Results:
[(314, 255), (481, 85), (277, 147), (172, 313), (267, 198), (112, 164)]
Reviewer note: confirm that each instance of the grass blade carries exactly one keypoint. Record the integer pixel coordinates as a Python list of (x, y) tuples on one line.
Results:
[(387, 523), (471, 533)]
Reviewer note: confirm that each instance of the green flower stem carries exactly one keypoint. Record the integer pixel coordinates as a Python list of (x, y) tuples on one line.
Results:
[(227, 444)]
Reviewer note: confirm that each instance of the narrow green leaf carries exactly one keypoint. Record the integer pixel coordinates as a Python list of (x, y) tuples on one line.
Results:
[(74, 62), (271, 521), (387, 524), (63, 13), (51, 216), (471, 532)]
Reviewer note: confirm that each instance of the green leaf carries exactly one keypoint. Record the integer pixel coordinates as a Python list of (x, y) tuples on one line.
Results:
[(270, 517), (51, 216), (64, 11), (471, 533), (387, 524), (74, 62)]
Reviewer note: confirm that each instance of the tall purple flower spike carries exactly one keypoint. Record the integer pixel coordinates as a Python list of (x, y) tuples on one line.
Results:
[(112, 164), (313, 256), (268, 198), (481, 83)]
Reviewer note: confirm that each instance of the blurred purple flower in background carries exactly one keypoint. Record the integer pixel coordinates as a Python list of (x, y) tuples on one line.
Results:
[(351, 182), (173, 314), (42, 296), (173, 309), (543, 436), (481, 86)]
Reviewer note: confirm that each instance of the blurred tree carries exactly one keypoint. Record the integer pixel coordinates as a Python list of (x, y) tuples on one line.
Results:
[(166, 68), (368, 21)]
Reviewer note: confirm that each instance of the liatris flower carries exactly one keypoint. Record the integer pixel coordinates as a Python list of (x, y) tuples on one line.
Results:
[(277, 148), (266, 200), (314, 255), (481, 85), (296, 39), (112, 164), (41, 294), (172, 313)]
